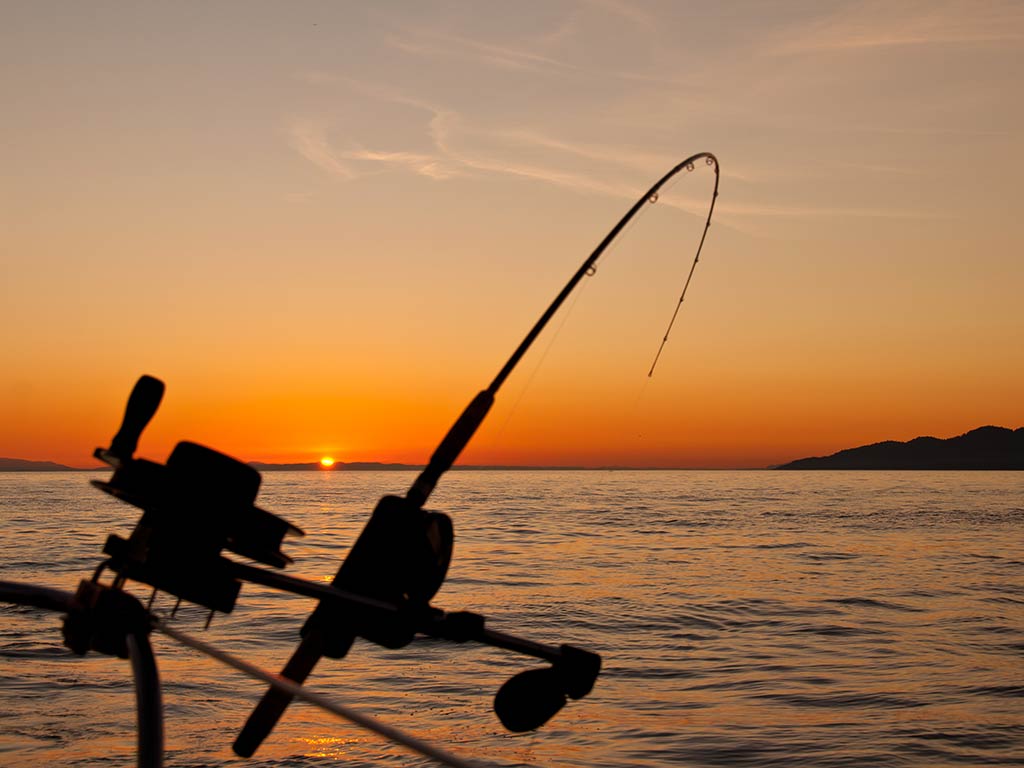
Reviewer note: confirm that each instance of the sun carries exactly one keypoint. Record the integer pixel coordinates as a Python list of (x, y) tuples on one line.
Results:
[(326, 462)]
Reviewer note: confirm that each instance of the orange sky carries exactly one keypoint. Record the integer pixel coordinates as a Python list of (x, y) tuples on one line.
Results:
[(326, 226)]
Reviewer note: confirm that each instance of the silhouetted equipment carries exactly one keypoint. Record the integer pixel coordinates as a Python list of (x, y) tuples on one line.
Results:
[(321, 637), (401, 557), (107, 620), (101, 618), (201, 504), (142, 404), (528, 700), (194, 507)]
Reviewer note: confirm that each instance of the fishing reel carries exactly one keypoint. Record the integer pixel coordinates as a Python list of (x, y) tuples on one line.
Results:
[(401, 558), (201, 504), (198, 504)]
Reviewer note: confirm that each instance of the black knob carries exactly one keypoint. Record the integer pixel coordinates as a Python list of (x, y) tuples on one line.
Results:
[(142, 404)]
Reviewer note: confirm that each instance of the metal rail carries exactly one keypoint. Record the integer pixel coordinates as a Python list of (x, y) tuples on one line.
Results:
[(148, 702)]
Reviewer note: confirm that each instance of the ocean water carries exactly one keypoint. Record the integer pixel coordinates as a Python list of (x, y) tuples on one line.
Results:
[(745, 619)]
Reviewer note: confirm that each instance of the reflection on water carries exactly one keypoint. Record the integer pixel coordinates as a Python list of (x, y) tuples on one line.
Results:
[(334, 747), (745, 618)]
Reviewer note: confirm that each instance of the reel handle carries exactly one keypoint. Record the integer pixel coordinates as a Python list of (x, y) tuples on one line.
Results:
[(142, 404)]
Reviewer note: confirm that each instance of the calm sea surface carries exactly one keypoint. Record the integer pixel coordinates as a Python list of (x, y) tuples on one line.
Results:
[(745, 618)]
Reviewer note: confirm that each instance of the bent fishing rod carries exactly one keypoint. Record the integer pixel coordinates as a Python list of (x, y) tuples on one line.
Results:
[(202, 502), (321, 635)]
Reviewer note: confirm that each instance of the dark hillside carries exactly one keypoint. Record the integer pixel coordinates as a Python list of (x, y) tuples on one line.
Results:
[(982, 448)]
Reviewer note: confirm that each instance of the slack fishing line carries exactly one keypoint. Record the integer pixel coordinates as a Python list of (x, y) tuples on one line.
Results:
[(711, 209), (587, 268)]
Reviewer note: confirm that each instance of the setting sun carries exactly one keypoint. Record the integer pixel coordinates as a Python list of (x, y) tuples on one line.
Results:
[(326, 462)]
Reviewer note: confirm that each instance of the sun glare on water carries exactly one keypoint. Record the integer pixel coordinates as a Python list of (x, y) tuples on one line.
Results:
[(326, 462)]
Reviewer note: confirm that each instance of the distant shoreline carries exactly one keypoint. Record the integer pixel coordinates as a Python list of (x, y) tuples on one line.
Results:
[(313, 467), (518, 468), (985, 448), (24, 465)]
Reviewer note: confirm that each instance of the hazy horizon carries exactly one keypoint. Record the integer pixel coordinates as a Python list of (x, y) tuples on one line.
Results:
[(356, 465)]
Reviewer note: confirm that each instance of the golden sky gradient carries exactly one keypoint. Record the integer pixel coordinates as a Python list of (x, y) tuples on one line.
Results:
[(326, 226)]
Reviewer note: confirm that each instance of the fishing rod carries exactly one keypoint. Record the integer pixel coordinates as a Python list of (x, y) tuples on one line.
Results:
[(201, 503), (371, 563), (466, 425)]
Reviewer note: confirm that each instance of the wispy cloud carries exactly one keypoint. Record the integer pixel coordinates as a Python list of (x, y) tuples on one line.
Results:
[(548, 52), (420, 164), (884, 24), (447, 129), (461, 150), (449, 145), (455, 47), (624, 10), (451, 135), (598, 153), (807, 211), (455, 150), (309, 139)]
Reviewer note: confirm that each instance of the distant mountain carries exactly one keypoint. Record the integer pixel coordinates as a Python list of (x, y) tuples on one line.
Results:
[(23, 465), (982, 448)]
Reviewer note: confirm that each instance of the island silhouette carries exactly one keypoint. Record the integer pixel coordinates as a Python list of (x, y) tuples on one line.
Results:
[(982, 448)]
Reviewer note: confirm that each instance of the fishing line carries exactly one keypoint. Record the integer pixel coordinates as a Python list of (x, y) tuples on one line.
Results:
[(587, 268), (608, 247), (644, 385), (710, 160), (389, 732), (615, 245), (591, 272), (527, 385)]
